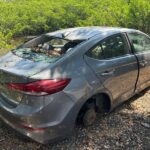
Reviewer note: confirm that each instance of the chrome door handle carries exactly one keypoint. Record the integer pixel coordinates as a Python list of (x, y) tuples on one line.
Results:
[(143, 63), (107, 73)]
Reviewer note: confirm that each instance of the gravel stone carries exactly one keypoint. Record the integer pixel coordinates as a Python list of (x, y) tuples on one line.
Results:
[(127, 127)]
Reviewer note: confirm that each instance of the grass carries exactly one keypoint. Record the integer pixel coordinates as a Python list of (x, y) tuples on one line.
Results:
[(13, 43), (3, 51)]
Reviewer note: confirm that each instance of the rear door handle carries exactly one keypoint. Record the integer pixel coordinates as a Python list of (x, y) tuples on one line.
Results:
[(143, 63), (107, 73)]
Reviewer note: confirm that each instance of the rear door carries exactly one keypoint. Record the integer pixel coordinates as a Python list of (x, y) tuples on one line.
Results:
[(141, 48), (114, 65)]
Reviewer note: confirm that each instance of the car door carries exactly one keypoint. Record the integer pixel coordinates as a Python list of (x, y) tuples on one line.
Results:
[(141, 48), (114, 65)]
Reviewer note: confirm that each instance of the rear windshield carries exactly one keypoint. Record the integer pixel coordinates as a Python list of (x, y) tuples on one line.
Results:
[(45, 48)]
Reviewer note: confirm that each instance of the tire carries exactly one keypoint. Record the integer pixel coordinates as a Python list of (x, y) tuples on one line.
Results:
[(89, 117)]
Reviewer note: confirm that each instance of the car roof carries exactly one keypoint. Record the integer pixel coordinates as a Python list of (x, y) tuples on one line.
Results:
[(84, 33)]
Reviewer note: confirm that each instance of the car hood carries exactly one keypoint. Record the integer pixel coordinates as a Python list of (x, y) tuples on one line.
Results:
[(19, 66)]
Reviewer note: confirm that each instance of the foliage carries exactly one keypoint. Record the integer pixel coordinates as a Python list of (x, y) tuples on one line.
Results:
[(4, 42), (139, 15), (30, 17)]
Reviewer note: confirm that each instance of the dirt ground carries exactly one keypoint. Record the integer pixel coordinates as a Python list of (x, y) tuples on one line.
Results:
[(126, 128)]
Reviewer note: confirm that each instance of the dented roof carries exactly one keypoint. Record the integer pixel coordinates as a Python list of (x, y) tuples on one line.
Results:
[(84, 33)]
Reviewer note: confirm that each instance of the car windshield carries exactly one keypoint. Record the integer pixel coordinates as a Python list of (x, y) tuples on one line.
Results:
[(45, 48)]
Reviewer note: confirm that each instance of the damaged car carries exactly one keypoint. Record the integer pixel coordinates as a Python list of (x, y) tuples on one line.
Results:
[(54, 81)]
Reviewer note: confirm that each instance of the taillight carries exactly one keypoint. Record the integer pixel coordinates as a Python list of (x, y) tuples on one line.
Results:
[(41, 87)]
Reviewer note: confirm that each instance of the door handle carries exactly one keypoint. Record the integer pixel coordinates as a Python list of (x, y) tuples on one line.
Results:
[(107, 73), (143, 63)]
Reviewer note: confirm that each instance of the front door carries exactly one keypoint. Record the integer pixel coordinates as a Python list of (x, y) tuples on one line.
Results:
[(141, 47)]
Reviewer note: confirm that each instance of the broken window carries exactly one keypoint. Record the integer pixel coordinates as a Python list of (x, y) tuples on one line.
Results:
[(45, 48)]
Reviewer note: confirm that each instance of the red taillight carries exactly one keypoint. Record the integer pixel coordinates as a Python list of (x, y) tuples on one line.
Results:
[(42, 87)]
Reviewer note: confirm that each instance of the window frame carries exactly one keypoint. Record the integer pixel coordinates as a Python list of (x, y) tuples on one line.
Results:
[(129, 51), (131, 43)]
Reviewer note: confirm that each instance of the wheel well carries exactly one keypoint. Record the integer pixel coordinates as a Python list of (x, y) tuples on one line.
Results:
[(101, 102)]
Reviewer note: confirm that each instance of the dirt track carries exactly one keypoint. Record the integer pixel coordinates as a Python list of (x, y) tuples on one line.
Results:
[(128, 128)]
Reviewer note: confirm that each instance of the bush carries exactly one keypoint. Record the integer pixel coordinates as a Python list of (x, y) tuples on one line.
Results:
[(139, 15), (30, 17), (4, 41)]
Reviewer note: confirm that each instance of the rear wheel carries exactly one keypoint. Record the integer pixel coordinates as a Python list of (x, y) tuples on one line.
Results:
[(97, 104), (89, 117)]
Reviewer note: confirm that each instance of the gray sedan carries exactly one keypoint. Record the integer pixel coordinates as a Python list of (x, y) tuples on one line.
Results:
[(53, 81)]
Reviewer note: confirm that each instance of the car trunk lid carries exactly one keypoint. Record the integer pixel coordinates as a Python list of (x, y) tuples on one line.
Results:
[(20, 66), (14, 69)]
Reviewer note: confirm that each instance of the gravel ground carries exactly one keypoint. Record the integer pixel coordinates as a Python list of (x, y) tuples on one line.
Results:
[(127, 128)]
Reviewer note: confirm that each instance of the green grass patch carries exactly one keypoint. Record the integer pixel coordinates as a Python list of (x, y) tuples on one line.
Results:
[(12, 44)]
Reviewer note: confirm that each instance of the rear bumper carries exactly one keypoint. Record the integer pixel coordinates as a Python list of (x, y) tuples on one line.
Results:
[(51, 123), (48, 135)]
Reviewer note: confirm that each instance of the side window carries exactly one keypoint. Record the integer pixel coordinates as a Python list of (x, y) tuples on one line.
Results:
[(140, 42), (115, 46), (96, 52), (110, 47)]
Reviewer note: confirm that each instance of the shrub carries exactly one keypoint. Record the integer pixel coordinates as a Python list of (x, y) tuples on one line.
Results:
[(139, 15), (30, 17)]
